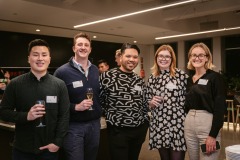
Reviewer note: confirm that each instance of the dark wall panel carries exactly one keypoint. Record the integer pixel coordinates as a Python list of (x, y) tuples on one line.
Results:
[(13, 49)]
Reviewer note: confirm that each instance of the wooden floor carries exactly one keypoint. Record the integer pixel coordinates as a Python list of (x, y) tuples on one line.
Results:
[(229, 137)]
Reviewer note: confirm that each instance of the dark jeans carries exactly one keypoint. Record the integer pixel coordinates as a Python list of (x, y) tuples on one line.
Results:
[(125, 143), (45, 155), (82, 140)]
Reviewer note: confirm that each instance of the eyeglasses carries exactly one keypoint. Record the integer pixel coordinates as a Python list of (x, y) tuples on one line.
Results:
[(161, 57), (200, 56)]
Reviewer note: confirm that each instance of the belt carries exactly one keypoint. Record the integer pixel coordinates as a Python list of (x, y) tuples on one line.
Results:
[(193, 112)]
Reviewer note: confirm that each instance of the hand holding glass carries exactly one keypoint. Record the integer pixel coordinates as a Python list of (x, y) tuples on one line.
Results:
[(160, 98), (89, 94), (42, 102)]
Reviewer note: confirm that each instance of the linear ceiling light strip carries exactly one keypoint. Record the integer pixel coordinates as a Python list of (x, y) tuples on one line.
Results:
[(134, 13), (197, 33)]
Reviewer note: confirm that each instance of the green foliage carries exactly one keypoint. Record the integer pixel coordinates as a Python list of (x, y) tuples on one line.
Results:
[(235, 83)]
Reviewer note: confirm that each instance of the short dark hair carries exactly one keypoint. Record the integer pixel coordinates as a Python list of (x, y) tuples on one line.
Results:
[(129, 46), (83, 35), (102, 61), (37, 42)]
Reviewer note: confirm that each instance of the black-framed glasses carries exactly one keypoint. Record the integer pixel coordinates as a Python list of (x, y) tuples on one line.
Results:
[(161, 57), (200, 56)]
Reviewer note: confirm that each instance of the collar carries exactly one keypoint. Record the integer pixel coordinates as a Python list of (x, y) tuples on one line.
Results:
[(35, 78), (164, 71), (80, 68)]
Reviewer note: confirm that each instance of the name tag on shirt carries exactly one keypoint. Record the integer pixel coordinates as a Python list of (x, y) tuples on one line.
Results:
[(203, 81), (77, 84), (171, 85), (137, 88), (51, 99)]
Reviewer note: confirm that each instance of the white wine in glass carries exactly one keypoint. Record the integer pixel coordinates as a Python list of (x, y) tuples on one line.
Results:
[(89, 94), (41, 121)]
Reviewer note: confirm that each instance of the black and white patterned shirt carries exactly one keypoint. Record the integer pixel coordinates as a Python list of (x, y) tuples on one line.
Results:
[(123, 98), (166, 128)]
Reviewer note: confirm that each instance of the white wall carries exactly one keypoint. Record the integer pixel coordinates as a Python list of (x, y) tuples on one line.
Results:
[(217, 53), (181, 56), (147, 52)]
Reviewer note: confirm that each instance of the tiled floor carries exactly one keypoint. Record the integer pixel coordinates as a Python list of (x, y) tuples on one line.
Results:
[(229, 137)]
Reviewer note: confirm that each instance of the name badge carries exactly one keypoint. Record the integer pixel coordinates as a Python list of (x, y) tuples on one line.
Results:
[(203, 81), (77, 84), (171, 85), (137, 88), (51, 99)]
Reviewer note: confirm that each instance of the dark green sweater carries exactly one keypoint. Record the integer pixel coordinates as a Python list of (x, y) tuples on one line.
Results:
[(20, 95)]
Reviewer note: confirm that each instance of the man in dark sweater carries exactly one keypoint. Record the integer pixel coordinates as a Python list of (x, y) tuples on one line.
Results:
[(82, 140), (18, 106), (125, 106)]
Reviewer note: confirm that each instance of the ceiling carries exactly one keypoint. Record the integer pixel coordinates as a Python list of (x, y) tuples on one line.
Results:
[(57, 18)]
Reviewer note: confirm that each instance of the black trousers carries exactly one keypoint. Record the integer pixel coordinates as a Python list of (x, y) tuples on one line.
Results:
[(45, 155), (125, 142)]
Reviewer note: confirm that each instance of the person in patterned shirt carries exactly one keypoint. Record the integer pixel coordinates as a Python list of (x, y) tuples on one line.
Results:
[(122, 96), (166, 89)]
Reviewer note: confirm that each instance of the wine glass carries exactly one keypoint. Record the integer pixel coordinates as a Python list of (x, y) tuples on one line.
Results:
[(42, 102), (161, 95), (89, 94)]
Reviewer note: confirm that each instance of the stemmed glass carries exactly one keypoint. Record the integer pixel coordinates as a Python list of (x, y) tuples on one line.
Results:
[(89, 94), (42, 102), (161, 95)]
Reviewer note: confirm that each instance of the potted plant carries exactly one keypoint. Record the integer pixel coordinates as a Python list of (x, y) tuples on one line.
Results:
[(235, 83)]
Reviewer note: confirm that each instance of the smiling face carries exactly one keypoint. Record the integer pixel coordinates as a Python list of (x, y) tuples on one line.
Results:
[(82, 48), (129, 60), (198, 58), (39, 60), (164, 59)]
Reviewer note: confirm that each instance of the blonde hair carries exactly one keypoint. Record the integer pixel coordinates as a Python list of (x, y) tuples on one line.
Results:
[(156, 70), (208, 64), (118, 52)]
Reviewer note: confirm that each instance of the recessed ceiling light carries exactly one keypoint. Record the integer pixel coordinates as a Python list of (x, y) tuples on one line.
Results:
[(94, 37), (134, 41), (38, 30)]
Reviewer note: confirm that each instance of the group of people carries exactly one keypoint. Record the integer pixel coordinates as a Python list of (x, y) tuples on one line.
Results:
[(186, 111)]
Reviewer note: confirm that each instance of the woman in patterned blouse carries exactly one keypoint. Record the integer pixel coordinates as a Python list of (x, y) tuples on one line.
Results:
[(166, 96)]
